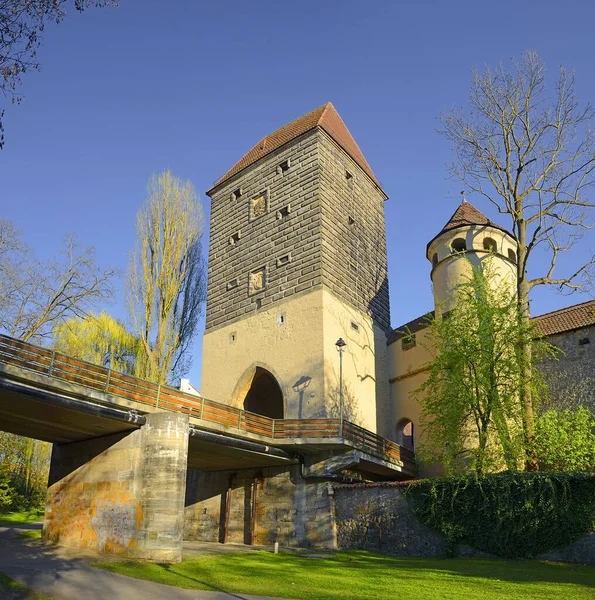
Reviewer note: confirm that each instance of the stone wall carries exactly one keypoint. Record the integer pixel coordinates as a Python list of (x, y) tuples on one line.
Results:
[(354, 263), (571, 378), (265, 505), (263, 250), (376, 517), (122, 494)]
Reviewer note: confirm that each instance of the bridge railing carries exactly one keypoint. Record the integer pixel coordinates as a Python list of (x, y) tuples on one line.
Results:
[(73, 370)]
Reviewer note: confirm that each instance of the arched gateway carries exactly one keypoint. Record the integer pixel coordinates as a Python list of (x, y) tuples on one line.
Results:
[(264, 397)]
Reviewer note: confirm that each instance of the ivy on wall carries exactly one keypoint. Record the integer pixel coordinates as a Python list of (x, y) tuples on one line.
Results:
[(510, 514)]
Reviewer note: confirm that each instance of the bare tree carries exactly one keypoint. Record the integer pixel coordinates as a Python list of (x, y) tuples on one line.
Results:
[(167, 277), (533, 157), (22, 23), (35, 297)]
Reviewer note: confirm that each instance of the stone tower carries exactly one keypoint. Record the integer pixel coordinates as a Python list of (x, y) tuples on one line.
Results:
[(471, 232), (297, 259)]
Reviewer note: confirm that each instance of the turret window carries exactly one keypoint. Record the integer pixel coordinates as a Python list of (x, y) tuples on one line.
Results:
[(490, 245), (458, 245), (435, 259), (512, 255)]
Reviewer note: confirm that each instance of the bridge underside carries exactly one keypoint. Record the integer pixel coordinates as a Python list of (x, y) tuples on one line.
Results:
[(131, 478)]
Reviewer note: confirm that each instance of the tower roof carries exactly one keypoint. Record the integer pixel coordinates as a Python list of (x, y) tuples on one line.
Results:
[(466, 215), (326, 117)]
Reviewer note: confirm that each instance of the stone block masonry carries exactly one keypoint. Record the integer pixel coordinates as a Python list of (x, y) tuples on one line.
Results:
[(260, 507), (122, 494)]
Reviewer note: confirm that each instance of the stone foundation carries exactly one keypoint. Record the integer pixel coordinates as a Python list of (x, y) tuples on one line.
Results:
[(122, 494), (260, 507)]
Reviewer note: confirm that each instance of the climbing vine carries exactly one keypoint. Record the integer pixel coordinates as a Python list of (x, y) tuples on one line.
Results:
[(510, 514)]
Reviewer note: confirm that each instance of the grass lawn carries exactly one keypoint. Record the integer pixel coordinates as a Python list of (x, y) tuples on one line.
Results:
[(31, 534), (16, 518), (365, 575), (11, 590)]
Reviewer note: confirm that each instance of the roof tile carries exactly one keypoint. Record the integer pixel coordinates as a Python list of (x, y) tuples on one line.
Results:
[(324, 116)]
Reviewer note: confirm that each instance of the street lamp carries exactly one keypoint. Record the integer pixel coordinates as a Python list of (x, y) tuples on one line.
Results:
[(340, 345)]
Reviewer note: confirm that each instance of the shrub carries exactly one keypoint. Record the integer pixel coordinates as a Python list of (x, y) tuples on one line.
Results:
[(565, 440), (510, 514)]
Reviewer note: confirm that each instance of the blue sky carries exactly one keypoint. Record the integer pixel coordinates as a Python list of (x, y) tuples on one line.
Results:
[(191, 86)]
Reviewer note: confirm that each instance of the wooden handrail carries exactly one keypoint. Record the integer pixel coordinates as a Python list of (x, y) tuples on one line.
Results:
[(73, 370)]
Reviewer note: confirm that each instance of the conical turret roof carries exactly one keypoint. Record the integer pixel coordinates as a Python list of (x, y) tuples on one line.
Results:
[(326, 117), (465, 216)]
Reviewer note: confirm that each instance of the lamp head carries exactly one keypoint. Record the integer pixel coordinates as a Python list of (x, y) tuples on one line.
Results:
[(340, 344)]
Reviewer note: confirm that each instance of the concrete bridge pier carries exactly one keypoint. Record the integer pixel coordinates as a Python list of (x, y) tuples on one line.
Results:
[(123, 493)]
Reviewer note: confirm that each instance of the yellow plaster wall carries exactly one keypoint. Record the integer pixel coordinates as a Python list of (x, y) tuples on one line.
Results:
[(302, 356), (451, 270)]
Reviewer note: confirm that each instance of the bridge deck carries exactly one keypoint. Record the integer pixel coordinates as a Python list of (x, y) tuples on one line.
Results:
[(148, 396)]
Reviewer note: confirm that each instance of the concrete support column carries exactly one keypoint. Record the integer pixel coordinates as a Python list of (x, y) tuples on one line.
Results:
[(124, 493)]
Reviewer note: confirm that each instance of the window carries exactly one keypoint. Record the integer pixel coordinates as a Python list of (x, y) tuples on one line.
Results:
[(284, 260), (284, 212), (259, 205), (232, 338), (235, 195), (512, 255), (348, 175), (284, 167), (281, 319), (406, 434), (458, 245), (408, 342), (490, 245), (232, 284), (354, 326), (351, 220), (234, 239), (435, 259), (583, 341)]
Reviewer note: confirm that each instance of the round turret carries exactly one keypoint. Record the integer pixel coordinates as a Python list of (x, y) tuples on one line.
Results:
[(469, 233)]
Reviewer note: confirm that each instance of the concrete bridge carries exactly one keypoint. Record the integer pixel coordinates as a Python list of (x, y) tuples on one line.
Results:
[(131, 460)]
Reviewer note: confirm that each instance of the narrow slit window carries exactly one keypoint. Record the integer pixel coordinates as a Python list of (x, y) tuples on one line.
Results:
[(284, 212), (354, 326), (512, 255), (284, 167), (348, 175), (435, 259), (284, 260), (351, 220)]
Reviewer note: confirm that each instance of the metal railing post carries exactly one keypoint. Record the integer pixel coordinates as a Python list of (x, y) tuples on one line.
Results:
[(52, 363), (109, 374)]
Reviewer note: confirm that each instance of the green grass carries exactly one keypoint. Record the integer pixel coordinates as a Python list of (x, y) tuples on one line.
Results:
[(18, 518), (365, 575), (11, 590), (31, 534)]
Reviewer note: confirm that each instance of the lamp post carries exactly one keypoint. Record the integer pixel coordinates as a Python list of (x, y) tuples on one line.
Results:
[(340, 345)]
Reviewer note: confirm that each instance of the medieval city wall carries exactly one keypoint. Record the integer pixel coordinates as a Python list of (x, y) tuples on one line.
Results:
[(377, 517), (570, 375)]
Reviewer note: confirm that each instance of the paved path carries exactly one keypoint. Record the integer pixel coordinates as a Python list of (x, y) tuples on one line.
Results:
[(60, 576)]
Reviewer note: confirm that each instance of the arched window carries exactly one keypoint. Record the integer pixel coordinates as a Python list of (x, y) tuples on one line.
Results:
[(406, 434), (458, 245), (512, 255), (264, 396), (435, 259), (490, 245)]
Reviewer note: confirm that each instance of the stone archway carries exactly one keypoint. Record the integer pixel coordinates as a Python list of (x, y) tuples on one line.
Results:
[(264, 396)]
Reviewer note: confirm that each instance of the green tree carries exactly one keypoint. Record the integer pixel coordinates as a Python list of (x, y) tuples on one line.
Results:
[(167, 277), (565, 440), (471, 414), (532, 155), (99, 339)]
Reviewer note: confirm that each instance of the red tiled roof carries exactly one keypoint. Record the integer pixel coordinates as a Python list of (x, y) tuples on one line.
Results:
[(465, 215), (566, 319), (557, 321), (325, 117)]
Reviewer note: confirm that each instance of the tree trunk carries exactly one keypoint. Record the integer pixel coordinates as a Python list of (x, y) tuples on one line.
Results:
[(526, 374)]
